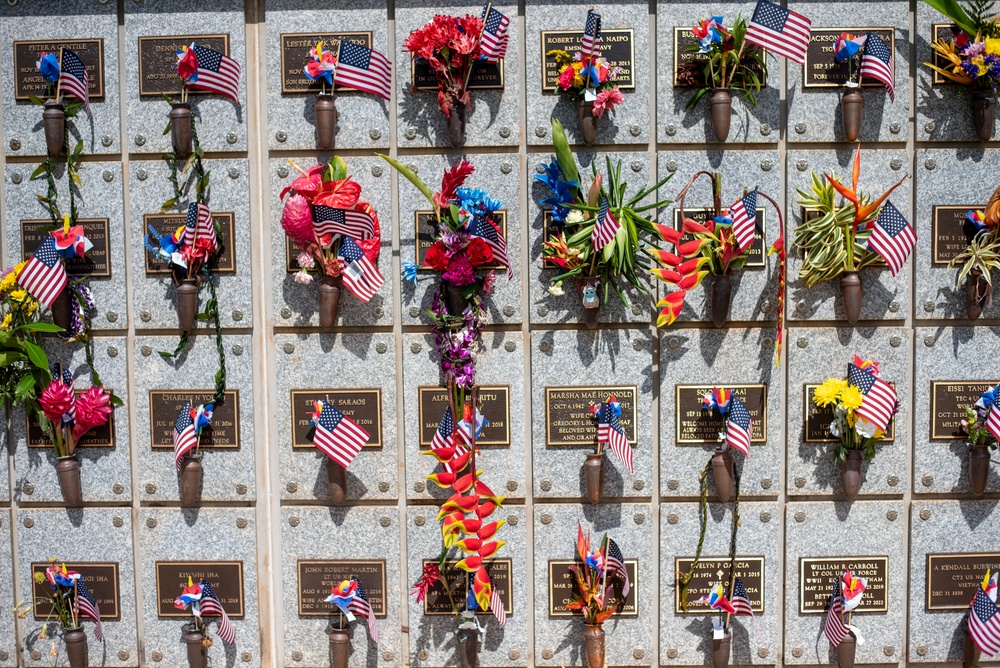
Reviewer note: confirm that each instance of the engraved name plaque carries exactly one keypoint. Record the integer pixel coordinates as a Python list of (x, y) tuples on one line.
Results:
[(817, 422), (28, 80), (698, 426), (226, 578), (949, 399), (822, 71), (485, 76), (568, 420), (295, 49), (164, 406), (167, 223), (316, 578), (683, 37), (816, 578), (424, 235), (617, 47), (494, 403), (712, 570), (158, 61), (95, 264), (561, 590), (101, 579), (949, 239), (757, 257), (98, 437), (438, 601), (952, 579), (362, 406)]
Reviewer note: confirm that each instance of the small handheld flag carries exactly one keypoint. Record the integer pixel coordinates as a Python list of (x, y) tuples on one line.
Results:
[(210, 71), (494, 42), (744, 214), (211, 605), (984, 624), (361, 276), (615, 564), (892, 237), (88, 607), (605, 228), (834, 628), (185, 435), (591, 45), (363, 69), (780, 30), (44, 276), (337, 436), (609, 430), (741, 599), (877, 63), (879, 402), (739, 427), (73, 78), (345, 222)]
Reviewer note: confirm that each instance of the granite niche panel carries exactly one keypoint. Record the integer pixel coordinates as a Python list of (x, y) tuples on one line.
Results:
[(627, 21), (366, 371), (218, 544), (105, 470), (79, 22), (162, 386), (755, 287), (694, 361), (674, 124), (432, 641), (628, 636), (499, 175), (221, 124), (874, 532), (4, 461), (814, 110), (298, 305), (502, 393), (101, 209), (885, 297), (362, 118), (569, 371), (102, 538), (153, 291), (555, 308), (817, 354), (494, 115), (758, 564), (315, 534), (8, 637)]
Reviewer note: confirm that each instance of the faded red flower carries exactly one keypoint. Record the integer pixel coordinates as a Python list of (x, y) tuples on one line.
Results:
[(436, 257), (56, 400), (93, 408), (428, 579)]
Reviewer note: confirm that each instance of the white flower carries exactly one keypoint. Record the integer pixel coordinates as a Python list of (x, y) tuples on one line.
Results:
[(305, 261), (835, 429), (575, 216), (556, 289), (865, 428), (303, 277)]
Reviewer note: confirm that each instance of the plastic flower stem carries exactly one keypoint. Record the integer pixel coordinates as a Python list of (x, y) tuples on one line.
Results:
[(703, 518), (732, 539), (59, 84)]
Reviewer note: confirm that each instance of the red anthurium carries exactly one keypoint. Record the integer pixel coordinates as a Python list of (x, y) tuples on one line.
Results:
[(308, 184), (489, 530), (338, 194), (489, 549)]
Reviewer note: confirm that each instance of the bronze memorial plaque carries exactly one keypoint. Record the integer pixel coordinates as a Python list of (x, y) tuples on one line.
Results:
[(698, 426), (817, 423), (27, 79), (953, 579), (96, 264), (549, 228), (226, 578), (438, 601), (98, 437), (364, 406), (101, 579), (165, 405), (816, 578), (424, 235), (712, 570), (683, 37), (617, 47), (822, 71), (947, 32), (165, 223), (494, 403), (949, 399), (949, 239), (568, 420), (316, 578), (158, 61), (485, 76), (295, 49), (561, 589), (757, 257)]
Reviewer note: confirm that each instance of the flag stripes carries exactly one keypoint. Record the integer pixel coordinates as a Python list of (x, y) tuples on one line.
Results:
[(744, 214), (780, 30), (44, 275), (211, 605), (345, 222), (73, 78), (87, 606), (877, 63), (363, 69), (496, 607), (337, 436), (739, 426), (360, 605), (892, 237), (495, 37), (606, 226), (217, 73), (834, 628), (879, 402), (361, 276), (741, 599), (185, 438)]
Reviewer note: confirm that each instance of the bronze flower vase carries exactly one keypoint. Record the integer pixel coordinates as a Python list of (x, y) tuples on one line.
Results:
[(54, 124), (850, 288), (846, 650), (340, 647), (593, 476), (979, 468), (326, 120), (722, 295), (329, 301), (720, 650), (588, 122), (850, 474), (62, 309), (76, 647), (191, 471), (722, 112), (593, 643), (722, 472), (468, 648), (851, 104), (983, 112), (68, 472), (970, 653), (181, 137), (456, 125), (336, 480), (454, 298), (187, 303), (977, 290), (197, 653), (591, 304)]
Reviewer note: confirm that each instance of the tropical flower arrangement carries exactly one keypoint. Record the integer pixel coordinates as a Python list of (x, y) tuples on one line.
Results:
[(350, 599), (982, 436), (321, 66), (68, 416), (597, 236), (729, 65), (202, 600), (336, 233), (980, 256), (576, 77)]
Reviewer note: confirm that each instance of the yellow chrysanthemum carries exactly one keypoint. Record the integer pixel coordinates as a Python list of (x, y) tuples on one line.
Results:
[(7, 319), (827, 393), (879, 433), (993, 46), (9, 281), (851, 398)]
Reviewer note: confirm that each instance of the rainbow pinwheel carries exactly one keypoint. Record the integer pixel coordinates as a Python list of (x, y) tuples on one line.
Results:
[(708, 32), (71, 241), (341, 596), (187, 63), (202, 417), (321, 65), (718, 398), (717, 600), (851, 589), (190, 595), (57, 575), (848, 45)]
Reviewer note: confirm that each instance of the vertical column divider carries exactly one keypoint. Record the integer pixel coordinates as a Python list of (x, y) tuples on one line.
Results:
[(781, 500)]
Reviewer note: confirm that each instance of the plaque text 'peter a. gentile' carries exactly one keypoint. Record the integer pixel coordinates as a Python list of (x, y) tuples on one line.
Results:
[(568, 420), (817, 575), (29, 81), (362, 406), (316, 577), (226, 578), (165, 405)]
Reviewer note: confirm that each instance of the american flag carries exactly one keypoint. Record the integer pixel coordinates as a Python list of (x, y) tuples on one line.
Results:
[(615, 563), (185, 437), (892, 237), (360, 605), (484, 228), (739, 427), (217, 73), (496, 607), (88, 607), (780, 30), (211, 605), (744, 214), (879, 402), (495, 37), (605, 228), (740, 600), (199, 224), (877, 62), (73, 78), (346, 222), (835, 629), (984, 624), (363, 69), (993, 420), (447, 436), (361, 277), (337, 436), (591, 45), (609, 430), (44, 276)]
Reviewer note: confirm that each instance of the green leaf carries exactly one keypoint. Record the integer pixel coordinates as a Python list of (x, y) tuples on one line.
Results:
[(169, 204), (37, 100), (41, 327), (25, 386), (78, 150), (410, 176), (116, 400), (567, 163), (188, 163), (338, 169), (39, 171), (8, 357), (166, 130), (36, 354), (954, 11)]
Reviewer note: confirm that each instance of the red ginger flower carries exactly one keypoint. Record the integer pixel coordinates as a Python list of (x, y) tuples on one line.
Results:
[(56, 400), (452, 180), (428, 579), (93, 408), (297, 221)]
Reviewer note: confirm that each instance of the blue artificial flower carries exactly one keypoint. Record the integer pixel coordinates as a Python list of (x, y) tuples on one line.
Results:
[(723, 220), (469, 197), (48, 65), (410, 272), (551, 176), (988, 398), (490, 205), (589, 72)]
